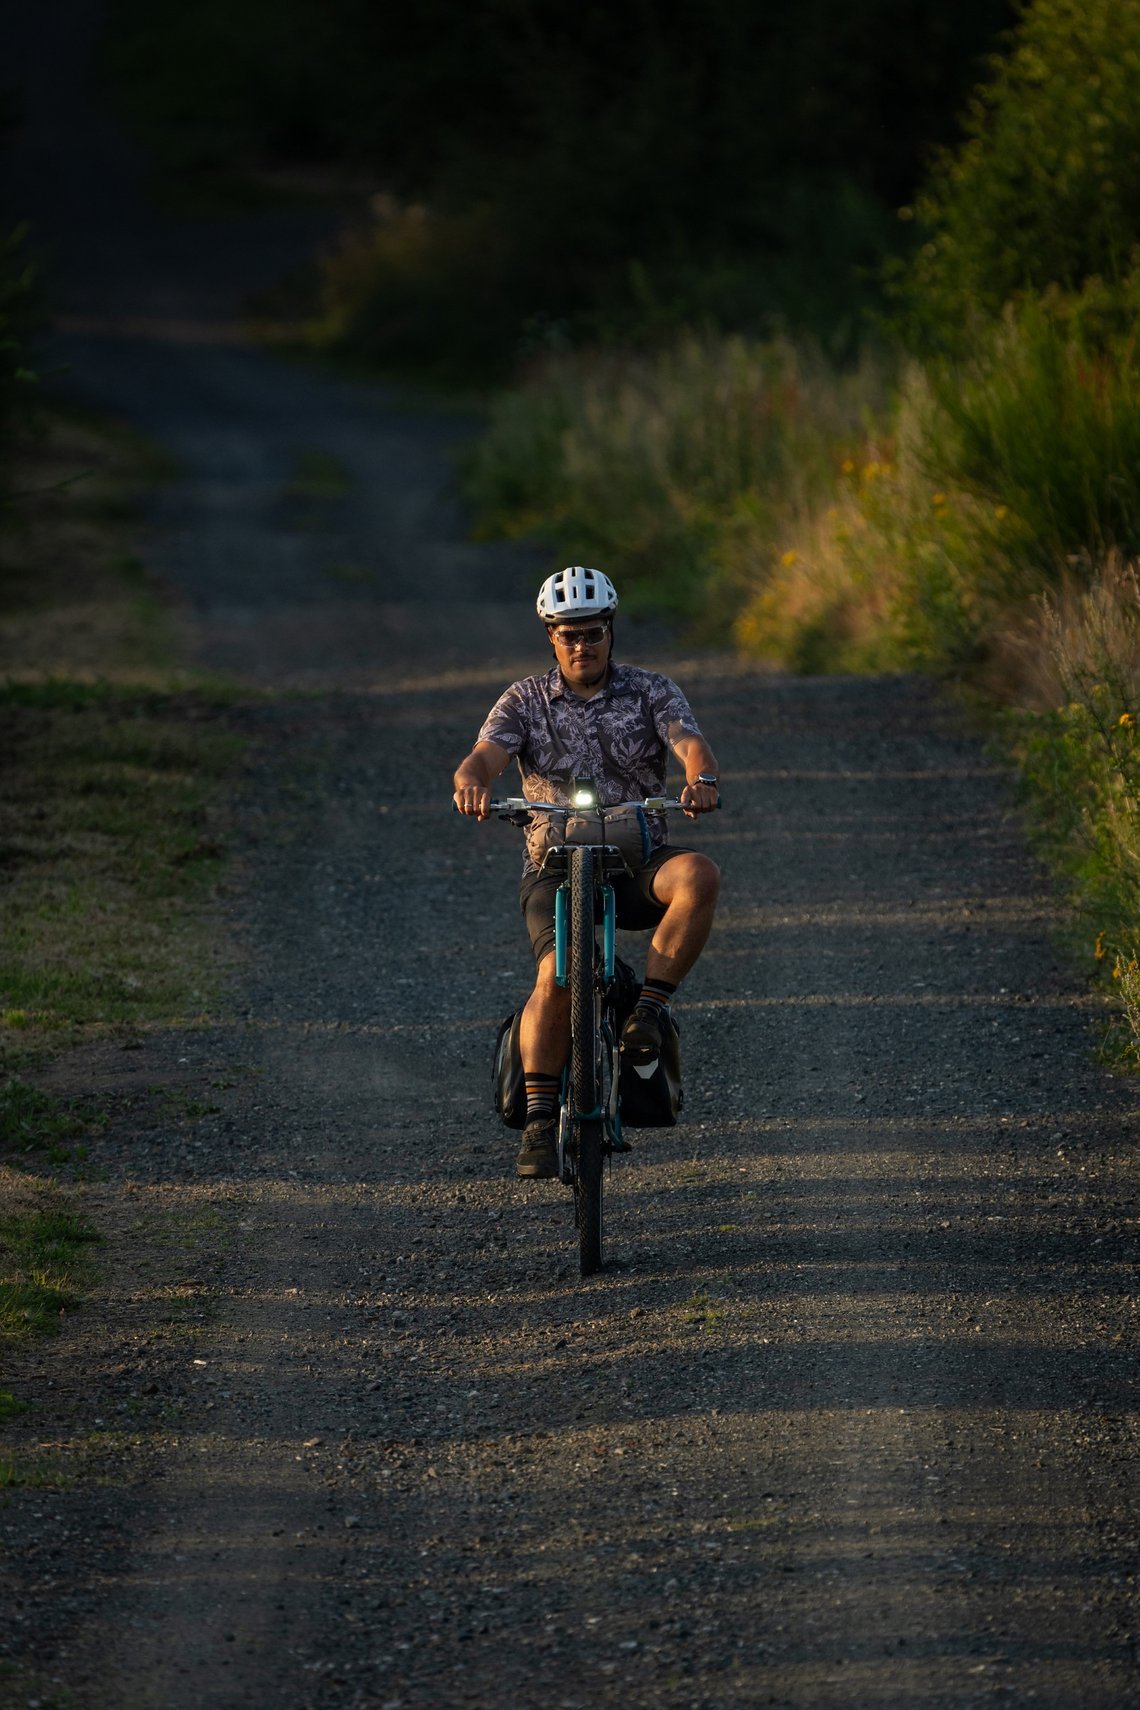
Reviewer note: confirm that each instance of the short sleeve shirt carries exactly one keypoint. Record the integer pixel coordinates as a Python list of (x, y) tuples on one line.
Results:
[(620, 737)]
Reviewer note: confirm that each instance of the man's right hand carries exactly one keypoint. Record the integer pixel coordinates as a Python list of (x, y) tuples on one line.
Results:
[(474, 776), (472, 799)]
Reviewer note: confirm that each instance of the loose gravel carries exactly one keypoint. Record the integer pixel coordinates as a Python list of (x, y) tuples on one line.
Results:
[(846, 1419)]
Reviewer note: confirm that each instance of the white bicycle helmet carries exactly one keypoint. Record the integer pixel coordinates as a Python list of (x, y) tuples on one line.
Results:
[(576, 592)]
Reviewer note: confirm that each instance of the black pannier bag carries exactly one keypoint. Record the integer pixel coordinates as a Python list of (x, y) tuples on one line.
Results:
[(651, 1094), (508, 1089), (650, 1100)]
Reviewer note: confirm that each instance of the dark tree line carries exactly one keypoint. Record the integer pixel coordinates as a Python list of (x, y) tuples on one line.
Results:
[(689, 151)]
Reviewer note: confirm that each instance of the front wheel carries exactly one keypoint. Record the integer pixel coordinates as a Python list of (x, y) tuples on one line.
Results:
[(585, 1080), (583, 1007), (588, 1194)]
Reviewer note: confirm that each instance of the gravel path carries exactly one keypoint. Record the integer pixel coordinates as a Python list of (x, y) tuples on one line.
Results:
[(847, 1419)]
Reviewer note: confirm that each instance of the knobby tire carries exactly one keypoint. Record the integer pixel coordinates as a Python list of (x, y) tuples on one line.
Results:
[(584, 1078)]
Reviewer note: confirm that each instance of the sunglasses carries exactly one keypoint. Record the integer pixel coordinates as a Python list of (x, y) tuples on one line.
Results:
[(588, 637)]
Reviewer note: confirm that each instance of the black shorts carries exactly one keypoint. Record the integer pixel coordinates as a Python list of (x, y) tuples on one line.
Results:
[(637, 908)]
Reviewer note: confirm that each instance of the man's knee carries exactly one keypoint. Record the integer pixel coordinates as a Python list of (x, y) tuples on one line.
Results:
[(692, 880)]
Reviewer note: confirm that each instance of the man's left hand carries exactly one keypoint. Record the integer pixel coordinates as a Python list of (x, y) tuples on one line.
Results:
[(699, 798)]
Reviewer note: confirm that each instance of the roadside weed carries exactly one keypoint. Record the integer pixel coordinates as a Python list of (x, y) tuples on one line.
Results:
[(1080, 765), (43, 1254)]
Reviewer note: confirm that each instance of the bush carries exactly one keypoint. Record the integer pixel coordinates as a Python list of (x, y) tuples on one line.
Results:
[(417, 290), (996, 478), (1079, 751), (1045, 188), (654, 465)]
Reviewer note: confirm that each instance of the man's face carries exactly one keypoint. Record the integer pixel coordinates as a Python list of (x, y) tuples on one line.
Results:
[(582, 648)]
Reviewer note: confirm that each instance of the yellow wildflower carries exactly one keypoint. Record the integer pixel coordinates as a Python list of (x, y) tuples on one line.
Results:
[(1001, 512), (788, 557), (870, 470), (847, 466), (1127, 720), (939, 498), (1099, 950)]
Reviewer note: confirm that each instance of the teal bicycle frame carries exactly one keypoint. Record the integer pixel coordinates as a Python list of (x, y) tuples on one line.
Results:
[(562, 932)]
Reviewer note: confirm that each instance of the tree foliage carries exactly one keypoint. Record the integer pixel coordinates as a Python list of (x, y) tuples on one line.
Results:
[(1045, 188), (657, 161)]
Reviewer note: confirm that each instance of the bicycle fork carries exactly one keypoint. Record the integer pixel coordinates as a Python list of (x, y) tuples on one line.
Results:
[(607, 1110)]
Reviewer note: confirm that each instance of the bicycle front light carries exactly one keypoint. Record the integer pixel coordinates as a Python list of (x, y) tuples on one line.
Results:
[(585, 793)]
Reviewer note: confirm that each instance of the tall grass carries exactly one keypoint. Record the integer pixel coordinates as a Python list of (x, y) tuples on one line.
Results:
[(992, 479), (655, 464), (1075, 737)]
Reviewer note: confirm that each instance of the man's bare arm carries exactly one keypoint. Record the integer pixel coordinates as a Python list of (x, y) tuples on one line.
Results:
[(696, 757), (475, 775)]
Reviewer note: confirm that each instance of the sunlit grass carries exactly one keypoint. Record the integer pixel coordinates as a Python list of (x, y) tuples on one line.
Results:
[(656, 465)]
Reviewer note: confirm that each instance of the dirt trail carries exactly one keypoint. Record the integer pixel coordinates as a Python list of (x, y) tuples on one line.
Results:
[(846, 1422)]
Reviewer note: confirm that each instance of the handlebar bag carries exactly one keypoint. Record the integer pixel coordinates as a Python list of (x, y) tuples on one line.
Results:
[(654, 1099), (625, 828)]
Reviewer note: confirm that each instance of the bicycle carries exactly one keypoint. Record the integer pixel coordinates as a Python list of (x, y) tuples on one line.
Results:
[(589, 1119)]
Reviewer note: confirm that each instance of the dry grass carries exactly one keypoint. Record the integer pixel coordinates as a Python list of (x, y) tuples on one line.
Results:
[(1088, 632)]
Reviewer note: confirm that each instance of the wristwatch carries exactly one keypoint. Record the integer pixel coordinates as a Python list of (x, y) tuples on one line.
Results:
[(707, 778)]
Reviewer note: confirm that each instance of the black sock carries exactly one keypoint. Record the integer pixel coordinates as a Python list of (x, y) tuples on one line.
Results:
[(541, 1095), (655, 994)]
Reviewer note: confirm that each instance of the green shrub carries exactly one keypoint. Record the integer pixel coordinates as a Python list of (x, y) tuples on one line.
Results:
[(1075, 738), (1045, 188), (994, 478), (418, 291), (1046, 419)]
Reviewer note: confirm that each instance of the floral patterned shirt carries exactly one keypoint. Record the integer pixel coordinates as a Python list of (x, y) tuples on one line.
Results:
[(620, 737)]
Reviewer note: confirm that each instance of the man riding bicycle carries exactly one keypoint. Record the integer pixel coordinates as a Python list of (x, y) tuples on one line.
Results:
[(617, 724)]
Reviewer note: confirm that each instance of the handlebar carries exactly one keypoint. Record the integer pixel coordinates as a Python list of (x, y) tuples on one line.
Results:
[(520, 804), (515, 809)]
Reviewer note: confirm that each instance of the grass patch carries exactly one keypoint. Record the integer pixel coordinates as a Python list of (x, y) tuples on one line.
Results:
[(111, 841), (44, 1254), (30, 1120), (110, 849), (33, 1475), (10, 1408), (704, 1309)]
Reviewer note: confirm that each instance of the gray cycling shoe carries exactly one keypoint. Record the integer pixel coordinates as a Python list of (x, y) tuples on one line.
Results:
[(538, 1153)]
